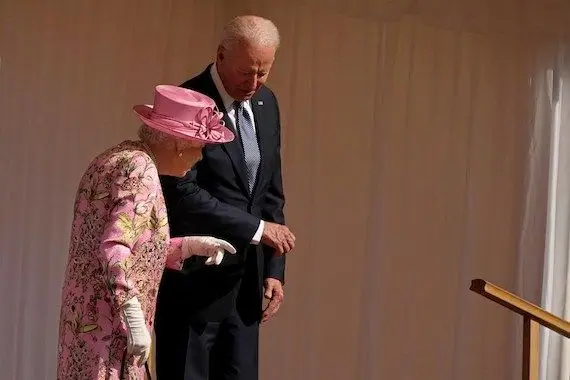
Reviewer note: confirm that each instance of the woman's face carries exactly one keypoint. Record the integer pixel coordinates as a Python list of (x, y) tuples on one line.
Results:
[(191, 154)]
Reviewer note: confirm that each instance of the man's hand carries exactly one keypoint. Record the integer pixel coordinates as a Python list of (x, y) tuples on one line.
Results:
[(278, 237), (274, 293)]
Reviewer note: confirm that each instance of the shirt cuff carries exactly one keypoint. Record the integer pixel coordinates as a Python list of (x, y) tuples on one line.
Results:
[(258, 234)]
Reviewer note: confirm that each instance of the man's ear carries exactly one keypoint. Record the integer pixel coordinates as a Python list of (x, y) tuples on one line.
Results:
[(220, 53)]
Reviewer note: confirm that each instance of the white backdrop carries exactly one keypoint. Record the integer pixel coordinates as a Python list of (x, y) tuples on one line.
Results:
[(407, 133)]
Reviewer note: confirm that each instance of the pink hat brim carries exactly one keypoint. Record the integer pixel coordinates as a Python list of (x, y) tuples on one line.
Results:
[(143, 111)]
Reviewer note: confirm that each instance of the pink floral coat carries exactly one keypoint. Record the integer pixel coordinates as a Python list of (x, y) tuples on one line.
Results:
[(119, 247)]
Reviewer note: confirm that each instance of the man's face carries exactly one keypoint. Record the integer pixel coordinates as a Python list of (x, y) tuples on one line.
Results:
[(244, 68)]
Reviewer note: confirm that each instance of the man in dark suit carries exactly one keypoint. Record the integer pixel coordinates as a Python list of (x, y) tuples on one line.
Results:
[(208, 316)]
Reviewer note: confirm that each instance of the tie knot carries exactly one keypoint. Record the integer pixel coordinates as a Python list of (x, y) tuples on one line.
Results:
[(238, 104)]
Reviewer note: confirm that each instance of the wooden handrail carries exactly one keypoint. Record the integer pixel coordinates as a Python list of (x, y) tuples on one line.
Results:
[(533, 315), (520, 306)]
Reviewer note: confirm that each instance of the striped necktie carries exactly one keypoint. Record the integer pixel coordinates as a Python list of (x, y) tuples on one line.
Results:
[(245, 128)]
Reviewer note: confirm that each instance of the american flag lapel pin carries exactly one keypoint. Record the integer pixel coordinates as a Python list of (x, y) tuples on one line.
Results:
[(260, 102)]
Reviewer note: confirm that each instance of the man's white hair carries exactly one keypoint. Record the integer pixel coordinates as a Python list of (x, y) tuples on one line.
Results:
[(252, 30)]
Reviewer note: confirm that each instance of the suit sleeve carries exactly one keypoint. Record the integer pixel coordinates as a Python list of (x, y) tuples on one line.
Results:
[(273, 210), (195, 211)]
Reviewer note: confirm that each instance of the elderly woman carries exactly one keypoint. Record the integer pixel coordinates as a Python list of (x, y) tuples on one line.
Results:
[(120, 241)]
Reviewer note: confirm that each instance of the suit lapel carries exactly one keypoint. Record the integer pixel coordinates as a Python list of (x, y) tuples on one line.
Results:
[(263, 136), (233, 148)]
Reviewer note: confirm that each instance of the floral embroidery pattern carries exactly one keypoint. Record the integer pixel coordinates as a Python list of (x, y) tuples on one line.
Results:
[(118, 249)]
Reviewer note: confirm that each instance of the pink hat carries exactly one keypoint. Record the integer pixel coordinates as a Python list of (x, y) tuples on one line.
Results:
[(186, 114)]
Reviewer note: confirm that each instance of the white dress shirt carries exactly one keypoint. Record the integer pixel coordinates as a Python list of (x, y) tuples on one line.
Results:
[(231, 112)]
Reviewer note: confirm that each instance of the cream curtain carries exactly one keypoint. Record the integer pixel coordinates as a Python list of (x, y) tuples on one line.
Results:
[(555, 363), (407, 132)]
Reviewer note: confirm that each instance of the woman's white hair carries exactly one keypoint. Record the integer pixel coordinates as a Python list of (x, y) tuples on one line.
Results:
[(152, 136), (253, 30)]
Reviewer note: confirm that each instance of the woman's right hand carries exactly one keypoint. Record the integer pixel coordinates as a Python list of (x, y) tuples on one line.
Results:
[(206, 246), (138, 336)]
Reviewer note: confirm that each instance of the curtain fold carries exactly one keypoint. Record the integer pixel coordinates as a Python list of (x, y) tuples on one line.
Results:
[(555, 349)]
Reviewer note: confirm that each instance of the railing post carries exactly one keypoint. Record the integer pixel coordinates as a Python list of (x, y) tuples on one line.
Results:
[(531, 351)]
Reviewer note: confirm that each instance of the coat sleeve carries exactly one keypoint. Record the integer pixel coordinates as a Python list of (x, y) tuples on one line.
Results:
[(174, 258), (193, 210), (273, 211), (132, 190)]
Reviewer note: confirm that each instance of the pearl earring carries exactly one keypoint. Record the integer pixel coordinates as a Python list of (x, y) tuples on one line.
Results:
[(180, 154)]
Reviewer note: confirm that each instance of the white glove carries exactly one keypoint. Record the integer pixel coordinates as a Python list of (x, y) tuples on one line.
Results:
[(138, 337), (215, 259), (206, 246)]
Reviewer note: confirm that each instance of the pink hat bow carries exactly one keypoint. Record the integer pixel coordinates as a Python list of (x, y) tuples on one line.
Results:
[(185, 114)]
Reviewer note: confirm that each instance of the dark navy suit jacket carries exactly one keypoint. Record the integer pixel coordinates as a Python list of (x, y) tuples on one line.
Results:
[(213, 199)]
